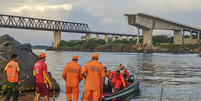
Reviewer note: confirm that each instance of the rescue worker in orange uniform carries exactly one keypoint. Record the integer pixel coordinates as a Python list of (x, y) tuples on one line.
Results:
[(107, 75), (42, 78), (94, 75), (72, 75), (100, 97), (118, 79), (12, 72)]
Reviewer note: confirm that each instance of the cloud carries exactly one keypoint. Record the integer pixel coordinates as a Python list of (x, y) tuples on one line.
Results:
[(100, 15), (107, 20), (40, 8), (57, 12)]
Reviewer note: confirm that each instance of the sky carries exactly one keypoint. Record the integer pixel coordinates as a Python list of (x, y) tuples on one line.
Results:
[(100, 15)]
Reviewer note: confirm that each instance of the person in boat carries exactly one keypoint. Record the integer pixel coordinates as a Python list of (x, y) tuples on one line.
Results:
[(199, 54), (125, 73), (118, 79), (108, 83)]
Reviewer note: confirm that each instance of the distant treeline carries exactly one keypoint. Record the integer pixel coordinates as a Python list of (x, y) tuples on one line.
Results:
[(93, 42), (40, 47)]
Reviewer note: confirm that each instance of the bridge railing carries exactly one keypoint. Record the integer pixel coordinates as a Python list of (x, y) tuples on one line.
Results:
[(9, 21)]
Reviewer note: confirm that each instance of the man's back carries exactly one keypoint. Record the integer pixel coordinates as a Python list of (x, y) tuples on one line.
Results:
[(125, 73), (40, 70), (120, 76), (72, 74), (12, 69), (95, 71)]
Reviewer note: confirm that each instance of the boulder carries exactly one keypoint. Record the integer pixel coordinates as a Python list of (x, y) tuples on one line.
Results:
[(27, 59)]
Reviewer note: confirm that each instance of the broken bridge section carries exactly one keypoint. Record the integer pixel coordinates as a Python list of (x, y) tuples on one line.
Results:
[(148, 23)]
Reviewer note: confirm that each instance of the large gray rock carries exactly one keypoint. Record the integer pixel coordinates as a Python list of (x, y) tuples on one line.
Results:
[(27, 59)]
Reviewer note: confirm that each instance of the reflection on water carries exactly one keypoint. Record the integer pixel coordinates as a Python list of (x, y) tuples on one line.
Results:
[(180, 74)]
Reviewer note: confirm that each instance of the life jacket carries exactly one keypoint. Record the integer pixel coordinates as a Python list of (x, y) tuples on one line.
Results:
[(124, 74), (12, 73)]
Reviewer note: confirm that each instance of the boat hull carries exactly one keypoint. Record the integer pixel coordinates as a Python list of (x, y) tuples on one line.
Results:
[(123, 93)]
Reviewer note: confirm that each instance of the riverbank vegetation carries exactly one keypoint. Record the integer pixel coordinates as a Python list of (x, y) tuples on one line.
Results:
[(161, 43)]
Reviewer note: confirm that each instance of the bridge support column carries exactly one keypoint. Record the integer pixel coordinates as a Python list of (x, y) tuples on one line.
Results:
[(97, 36), (134, 38), (113, 38), (198, 35), (178, 37), (138, 35), (147, 36), (106, 39), (121, 37), (88, 36), (191, 37), (57, 39), (127, 38)]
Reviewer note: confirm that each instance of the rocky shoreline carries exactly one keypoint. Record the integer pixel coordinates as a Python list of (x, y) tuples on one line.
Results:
[(27, 59)]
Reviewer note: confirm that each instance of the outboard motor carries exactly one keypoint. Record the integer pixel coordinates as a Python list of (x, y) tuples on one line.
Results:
[(131, 79)]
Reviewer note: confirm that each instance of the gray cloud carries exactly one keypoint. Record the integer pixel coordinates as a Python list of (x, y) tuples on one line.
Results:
[(101, 15)]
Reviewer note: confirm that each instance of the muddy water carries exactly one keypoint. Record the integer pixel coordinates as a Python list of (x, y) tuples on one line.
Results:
[(179, 73)]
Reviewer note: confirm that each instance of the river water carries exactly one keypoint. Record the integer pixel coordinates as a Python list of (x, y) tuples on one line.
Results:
[(178, 73)]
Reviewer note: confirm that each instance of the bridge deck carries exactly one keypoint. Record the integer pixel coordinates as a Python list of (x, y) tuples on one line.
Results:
[(19, 22), (186, 27)]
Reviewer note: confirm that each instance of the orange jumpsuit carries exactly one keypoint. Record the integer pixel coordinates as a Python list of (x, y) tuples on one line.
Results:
[(72, 75), (117, 80), (107, 74), (101, 93), (94, 71)]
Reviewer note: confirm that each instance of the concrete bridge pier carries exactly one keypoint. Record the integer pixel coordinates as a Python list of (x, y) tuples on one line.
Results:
[(57, 38), (178, 37), (191, 36), (113, 38), (198, 35), (147, 36), (97, 36), (134, 38), (127, 38), (88, 36), (106, 40), (138, 34), (121, 38)]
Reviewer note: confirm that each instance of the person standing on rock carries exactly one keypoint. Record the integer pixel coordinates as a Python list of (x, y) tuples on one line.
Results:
[(72, 75), (12, 72), (42, 78), (94, 76)]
